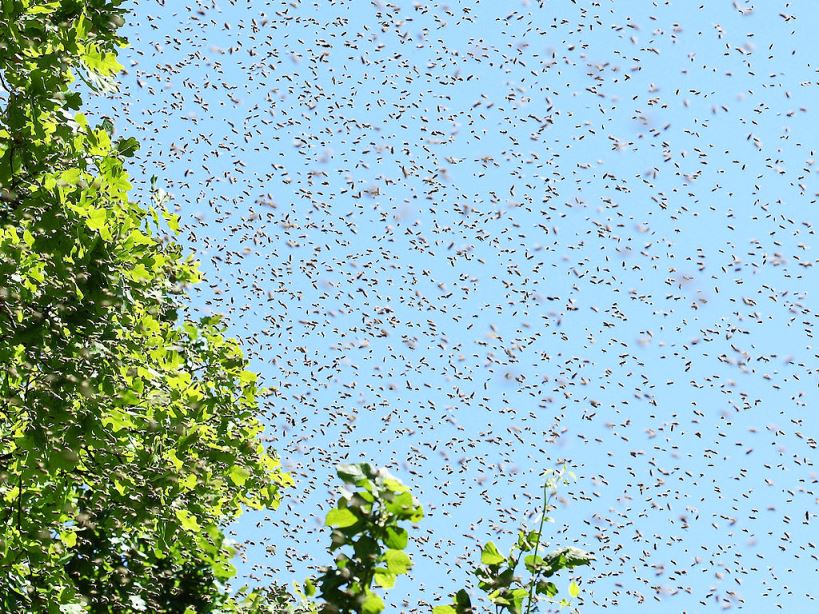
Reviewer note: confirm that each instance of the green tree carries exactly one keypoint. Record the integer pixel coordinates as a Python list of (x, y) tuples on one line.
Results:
[(128, 436)]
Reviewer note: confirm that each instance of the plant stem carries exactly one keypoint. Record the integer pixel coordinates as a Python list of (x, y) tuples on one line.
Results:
[(547, 498)]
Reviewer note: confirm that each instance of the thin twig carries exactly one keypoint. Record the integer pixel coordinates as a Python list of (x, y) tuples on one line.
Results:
[(547, 498)]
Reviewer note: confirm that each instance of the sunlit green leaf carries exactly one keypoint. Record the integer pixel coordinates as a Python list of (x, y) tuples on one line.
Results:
[(238, 475), (398, 562), (372, 604), (490, 555), (340, 518), (188, 520), (69, 538), (384, 578)]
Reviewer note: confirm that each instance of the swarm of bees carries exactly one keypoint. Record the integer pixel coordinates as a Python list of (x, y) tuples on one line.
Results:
[(469, 240)]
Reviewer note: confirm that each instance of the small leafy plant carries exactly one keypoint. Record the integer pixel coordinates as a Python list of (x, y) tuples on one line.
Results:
[(498, 575), (368, 540)]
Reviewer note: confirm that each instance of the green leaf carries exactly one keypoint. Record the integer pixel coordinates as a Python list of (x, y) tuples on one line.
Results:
[(309, 588), (140, 273), (397, 538), (188, 520), (238, 475), (392, 484), (490, 555), (574, 589), (405, 507), (444, 609), (340, 518), (372, 604), (565, 558), (462, 602), (547, 588), (127, 147), (527, 540), (573, 557), (352, 474), (517, 596), (223, 570), (533, 562), (384, 578), (43, 9), (69, 538), (366, 548), (500, 596), (101, 62), (398, 562), (96, 218)]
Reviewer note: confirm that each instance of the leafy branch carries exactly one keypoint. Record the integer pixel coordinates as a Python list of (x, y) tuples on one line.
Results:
[(498, 575), (368, 539)]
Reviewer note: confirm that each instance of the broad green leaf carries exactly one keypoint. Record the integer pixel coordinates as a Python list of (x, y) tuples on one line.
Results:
[(140, 273), (120, 487), (490, 555), (574, 589), (69, 538), (81, 27), (177, 462), (372, 604), (444, 609), (463, 604), (101, 62), (397, 538), (398, 561), (352, 474), (223, 570), (247, 377), (96, 218), (517, 597), (572, 556), (384, 578), (393, 484), (533, 562), (189, 522), (340, 518), (405, 507), (238, 475), (127, 147), (565, 558), (309, 588), (547, 588), (500, 596), (43, 9)]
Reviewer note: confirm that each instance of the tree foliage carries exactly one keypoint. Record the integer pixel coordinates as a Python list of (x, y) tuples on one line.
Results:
[(368, 538), (128, 435)]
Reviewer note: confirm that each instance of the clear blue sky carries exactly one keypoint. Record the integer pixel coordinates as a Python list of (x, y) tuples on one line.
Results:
[(469, 239)]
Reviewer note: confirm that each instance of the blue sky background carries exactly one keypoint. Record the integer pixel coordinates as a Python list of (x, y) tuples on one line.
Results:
[(469, 240)]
